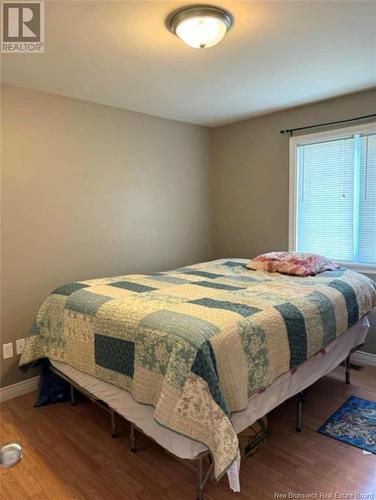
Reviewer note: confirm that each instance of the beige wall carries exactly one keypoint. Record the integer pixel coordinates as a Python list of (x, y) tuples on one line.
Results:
[(90, 190), (250, 162)]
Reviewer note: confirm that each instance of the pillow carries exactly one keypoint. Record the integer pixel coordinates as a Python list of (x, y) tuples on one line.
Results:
[(295, 263)]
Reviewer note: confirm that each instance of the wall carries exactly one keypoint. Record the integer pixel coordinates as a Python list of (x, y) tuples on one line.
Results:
[(89, 190), (370, 345), (250, 161)]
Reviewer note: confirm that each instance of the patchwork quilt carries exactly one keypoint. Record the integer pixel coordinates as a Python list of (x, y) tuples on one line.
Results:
[(196, 342)]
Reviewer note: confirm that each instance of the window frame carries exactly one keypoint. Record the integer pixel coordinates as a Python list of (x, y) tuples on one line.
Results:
[(314, 137)]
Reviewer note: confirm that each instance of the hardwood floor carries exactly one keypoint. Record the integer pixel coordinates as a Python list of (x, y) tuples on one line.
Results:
[(69, 454)]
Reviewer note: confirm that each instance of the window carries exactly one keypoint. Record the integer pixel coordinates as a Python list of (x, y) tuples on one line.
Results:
[(333, 195)]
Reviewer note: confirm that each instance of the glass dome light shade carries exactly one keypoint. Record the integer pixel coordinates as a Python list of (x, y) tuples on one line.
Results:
[(200, 26)]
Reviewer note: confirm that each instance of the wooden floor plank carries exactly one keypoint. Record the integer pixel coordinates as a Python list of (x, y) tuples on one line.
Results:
[(69, 453)]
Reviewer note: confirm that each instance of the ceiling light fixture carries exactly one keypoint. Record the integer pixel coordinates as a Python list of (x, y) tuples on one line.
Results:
[(200, 26)]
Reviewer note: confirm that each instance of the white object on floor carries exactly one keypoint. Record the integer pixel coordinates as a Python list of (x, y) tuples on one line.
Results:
[(10, 455)]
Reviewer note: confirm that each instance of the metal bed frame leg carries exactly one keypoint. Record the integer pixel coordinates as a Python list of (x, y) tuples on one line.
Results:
[(347, 369), (201, 478), (133, 438), (200, 489), (72, 395), (299, 409), (113, 424)]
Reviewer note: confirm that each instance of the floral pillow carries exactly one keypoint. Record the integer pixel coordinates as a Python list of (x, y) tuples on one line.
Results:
[(295, 263)]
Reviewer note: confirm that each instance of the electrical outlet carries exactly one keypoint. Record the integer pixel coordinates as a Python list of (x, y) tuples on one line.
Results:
[(20, 344), (8, 350)]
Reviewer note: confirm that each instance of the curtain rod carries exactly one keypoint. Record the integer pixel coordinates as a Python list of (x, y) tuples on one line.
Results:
[(292, 130)]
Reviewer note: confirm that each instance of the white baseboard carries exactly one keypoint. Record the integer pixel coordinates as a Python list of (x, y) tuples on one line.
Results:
[(363, 358), (15, 390)]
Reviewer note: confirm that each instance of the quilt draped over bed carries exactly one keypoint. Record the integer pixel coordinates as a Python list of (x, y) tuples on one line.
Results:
[(196, 342)]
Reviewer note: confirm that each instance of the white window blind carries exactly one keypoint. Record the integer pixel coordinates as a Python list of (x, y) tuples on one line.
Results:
[(335, 190), (367, 204)]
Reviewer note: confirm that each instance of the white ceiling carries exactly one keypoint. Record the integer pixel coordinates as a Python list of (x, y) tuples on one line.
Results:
[(277, 55)]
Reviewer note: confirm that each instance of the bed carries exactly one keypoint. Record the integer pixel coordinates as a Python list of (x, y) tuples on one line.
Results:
[(194, 355)]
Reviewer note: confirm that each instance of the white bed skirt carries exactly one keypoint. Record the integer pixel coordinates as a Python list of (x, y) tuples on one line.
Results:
[(259, 405)]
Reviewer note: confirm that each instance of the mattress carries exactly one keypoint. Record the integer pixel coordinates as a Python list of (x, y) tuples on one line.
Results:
[(258, 405)]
